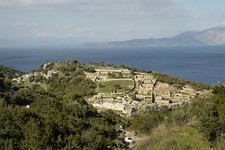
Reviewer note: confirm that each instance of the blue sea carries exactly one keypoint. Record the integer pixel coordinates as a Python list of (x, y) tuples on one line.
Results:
[(201, 63)]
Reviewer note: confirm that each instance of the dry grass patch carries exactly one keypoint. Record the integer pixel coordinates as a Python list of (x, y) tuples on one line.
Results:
[(164, 137)]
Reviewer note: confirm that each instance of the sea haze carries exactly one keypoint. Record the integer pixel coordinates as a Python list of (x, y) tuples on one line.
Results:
[(200, 63)]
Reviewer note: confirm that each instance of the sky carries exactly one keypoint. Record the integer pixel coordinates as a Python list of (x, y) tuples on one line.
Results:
[(73, 22)]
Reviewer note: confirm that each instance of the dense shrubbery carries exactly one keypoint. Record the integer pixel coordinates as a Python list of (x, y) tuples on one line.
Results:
[(53, 124), (68, 77), (52, 114), (144, 123), (4, 82), (75, 83), (219, 89)]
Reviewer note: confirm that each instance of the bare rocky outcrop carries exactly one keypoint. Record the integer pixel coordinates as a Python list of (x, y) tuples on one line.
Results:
[(26, 77)]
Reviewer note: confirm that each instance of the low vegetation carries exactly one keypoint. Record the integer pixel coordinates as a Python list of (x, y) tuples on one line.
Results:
[(165, 137)]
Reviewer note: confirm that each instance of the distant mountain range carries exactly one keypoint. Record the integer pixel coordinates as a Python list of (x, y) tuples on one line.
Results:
[(212, 36)]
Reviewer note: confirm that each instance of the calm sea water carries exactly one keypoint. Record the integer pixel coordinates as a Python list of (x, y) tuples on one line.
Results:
[(204, 64)]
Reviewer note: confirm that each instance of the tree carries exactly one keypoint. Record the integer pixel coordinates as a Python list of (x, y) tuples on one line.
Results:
[(219, 89), (210, 124), (34, 133), (144, 123), (10, 131)]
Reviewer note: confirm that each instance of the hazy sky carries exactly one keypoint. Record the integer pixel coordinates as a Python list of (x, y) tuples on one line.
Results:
[(76, 21)]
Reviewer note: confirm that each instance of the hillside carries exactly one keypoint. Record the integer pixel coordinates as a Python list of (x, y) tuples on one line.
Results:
[(52, 114), (9, 72), (65, 105), (212, 36), (118, 88), (6, 74)]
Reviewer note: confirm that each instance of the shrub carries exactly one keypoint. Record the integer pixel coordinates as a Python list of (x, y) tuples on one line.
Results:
[(145, 123), (219, 89)]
